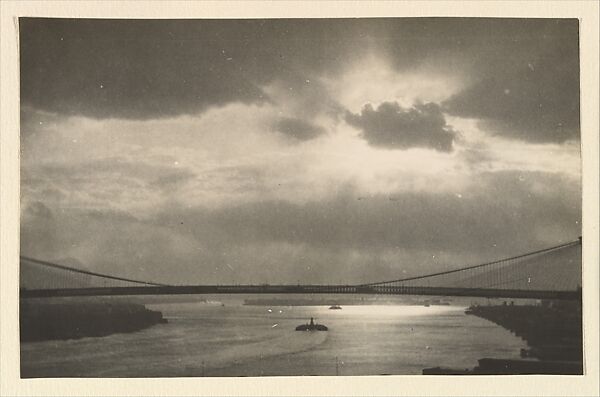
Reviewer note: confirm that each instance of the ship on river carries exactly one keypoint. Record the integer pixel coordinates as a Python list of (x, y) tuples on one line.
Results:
[(312, 326)]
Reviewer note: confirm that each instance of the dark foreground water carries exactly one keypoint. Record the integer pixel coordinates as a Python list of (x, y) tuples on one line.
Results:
[(234, 340)]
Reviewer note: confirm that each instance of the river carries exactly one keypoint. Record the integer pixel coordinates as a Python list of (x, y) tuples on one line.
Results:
[(204, 339)]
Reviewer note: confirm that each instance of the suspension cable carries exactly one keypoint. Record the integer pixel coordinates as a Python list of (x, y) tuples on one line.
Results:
[(472, 267), (75, 270)]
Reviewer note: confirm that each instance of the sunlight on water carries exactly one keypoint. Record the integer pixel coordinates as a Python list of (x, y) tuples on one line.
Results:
[(396, 311)]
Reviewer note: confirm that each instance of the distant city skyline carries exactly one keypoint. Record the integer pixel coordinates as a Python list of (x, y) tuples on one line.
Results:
[(266, 151)]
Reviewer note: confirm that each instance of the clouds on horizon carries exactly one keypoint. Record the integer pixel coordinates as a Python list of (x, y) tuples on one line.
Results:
[(494, 217)]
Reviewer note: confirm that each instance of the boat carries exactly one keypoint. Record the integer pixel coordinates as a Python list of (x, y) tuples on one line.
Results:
[(312, 326), (335, 307)]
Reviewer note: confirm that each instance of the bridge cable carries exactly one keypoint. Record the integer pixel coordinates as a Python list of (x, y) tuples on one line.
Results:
[(75, 270), (471, 267)]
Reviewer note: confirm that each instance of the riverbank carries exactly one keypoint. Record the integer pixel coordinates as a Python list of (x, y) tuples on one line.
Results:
[(552, 330), (40, 321)]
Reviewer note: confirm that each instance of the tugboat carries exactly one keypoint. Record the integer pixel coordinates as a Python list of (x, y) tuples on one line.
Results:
[(312, 326), (335, 307)]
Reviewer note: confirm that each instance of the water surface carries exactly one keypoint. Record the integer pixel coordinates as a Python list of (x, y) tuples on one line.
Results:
[(235, 340)]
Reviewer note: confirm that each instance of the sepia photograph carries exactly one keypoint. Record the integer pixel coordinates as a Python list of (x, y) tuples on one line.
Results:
[(300, 197)]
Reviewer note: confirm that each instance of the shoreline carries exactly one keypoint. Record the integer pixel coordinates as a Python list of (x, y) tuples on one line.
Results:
[(552, 330), (69, 320)]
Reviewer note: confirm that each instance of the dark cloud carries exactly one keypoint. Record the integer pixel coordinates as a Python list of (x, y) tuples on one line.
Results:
[(155, 68), (508, 209), (474, 46), (531, 96), (298, 129), (392, 126), (510, 213), (130, 69)]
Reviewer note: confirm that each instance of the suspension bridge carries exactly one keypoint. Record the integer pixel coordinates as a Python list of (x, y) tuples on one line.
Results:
[(549, 273)]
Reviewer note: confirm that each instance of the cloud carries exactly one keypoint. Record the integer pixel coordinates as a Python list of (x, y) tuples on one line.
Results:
[(528, 96), (143, 69), (108, 184), (132, 69), (508, 213), (173, 180), (107, 241), (394, 127), (505, 205), (224, 157), (298, 129), (163, 68)]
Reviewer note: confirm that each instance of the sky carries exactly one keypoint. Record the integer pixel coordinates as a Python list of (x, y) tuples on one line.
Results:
[(284, 151)]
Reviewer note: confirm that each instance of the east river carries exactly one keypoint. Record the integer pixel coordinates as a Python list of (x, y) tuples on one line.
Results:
[(209, 339)]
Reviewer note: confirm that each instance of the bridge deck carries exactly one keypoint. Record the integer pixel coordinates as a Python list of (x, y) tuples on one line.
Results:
[(300, 289)]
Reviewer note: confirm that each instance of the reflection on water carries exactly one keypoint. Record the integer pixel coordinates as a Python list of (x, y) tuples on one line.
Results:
[(214, 340)]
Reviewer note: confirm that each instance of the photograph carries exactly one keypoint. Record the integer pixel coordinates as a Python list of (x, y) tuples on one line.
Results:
[(307, 197)]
